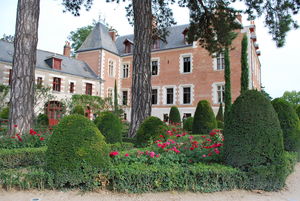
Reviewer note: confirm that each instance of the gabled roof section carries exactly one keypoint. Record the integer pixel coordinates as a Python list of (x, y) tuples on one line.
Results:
[(68, 65), (175, 39), (99, 38)]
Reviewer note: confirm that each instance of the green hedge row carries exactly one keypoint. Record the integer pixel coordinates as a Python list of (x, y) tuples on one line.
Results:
[(13, 158), (139, 178), (121, 146), (25, 179)]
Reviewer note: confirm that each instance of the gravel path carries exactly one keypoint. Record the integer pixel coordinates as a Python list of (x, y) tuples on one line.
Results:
[(290, 193)]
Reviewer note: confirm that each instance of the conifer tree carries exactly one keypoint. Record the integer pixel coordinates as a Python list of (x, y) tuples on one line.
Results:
[(115, 98), (220, 115), (244, 64), (227, 77)]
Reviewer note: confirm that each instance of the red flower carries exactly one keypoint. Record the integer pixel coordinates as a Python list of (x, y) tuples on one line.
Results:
[(41, 138), (126, 155), (192, 148), (217, 151), (161, 136), (113, 153), (203, 155), (19, 137), (32, 132), (15, 126)]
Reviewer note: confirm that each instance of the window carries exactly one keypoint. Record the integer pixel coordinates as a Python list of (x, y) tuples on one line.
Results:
[(220, 93), (187, 115), (57, 63), (39, 82), (125, 116), (220, 61), (125, 98), (71, 87), (111, 68), (187, 64), (125, 70), (56, 84), (186, 95), (10, 77), (155, 44), (109, 93), (88, 89), (170, 95), (154, 67), (166, 117), (154, 96), (127, 48)]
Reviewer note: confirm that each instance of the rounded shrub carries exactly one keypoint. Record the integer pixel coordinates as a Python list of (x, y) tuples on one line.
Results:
[(4, 114), (76, 152), (42, 119), (174, 116), (289, 122), (78, 109), (150, 129), (110, 126), (254, 142), (188, 124), (204, 118)]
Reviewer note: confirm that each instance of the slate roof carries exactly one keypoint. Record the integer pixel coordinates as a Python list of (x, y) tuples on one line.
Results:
[(99, 38), (175, 39), (69, 65)]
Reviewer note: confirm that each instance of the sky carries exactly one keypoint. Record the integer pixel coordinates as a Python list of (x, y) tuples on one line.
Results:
[(280, 66)]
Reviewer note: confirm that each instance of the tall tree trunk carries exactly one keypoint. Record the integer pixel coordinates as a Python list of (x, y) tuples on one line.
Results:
[(141, 78), (24, 62), (227, 77)]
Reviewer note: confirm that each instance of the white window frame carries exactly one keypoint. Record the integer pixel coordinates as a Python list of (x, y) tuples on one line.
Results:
[(112, 92), (181, 63), (111, 72), (158, 94), (181, 93), (123, 97), (128, 69), (215, 97), (215, 62), (158, 65), (165, 94)]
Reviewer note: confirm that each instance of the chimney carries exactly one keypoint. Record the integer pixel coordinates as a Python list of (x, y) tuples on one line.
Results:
[(112, 35), (67, 49)]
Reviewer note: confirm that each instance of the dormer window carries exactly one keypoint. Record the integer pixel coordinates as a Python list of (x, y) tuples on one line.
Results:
[(127, 43), (54, 62), (185, 31)]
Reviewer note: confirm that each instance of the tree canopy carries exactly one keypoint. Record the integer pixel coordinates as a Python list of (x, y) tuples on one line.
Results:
[(292, 97)]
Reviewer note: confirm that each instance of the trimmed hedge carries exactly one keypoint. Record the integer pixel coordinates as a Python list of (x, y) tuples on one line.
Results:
[(188, 124), (140, 178), (150, 129), (254, 142), (76, 152), (78, 109), (110, 126), (204, 118), (26, 179), (123, 146), (289, 122), (4, 113), (42, 120), (174, 116), (14, 158)]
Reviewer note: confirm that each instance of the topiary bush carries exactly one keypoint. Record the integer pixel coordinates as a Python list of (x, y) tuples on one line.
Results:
[(110, 126), (220, 115), (204, 118), (188, 124), (42, 120), (4, 114), (150, 129), (254, 142), (289, 122), (78, 109), (76, 152), (220, 124), (174, 116)]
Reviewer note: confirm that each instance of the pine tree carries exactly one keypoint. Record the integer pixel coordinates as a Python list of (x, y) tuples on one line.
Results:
[(227, 82), (244, 64), (220, 115)]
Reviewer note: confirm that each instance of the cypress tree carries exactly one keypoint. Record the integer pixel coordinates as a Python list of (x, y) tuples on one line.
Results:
[(116, 98), (244, 65), (298, 111), (227, 76), (220, 116)]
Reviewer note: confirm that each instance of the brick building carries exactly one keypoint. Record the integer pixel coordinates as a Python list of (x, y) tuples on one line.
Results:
[(182, 73), (64, 75)]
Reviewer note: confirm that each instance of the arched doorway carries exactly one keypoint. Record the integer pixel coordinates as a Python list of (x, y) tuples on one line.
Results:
[(54, 110)]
